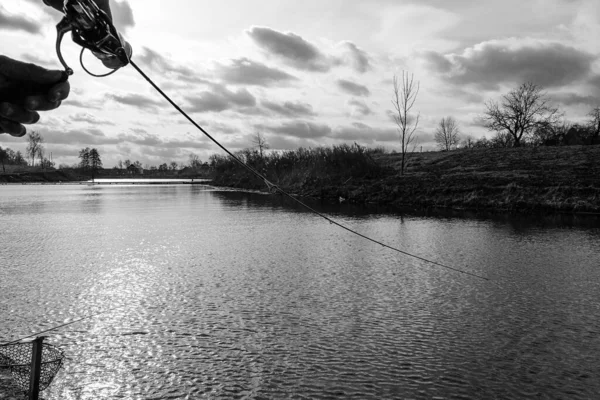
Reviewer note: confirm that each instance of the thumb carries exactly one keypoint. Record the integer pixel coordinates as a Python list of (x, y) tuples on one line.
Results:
[(18, 70)]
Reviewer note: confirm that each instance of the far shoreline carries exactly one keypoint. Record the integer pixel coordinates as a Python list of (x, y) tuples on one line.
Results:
[(526, 180)]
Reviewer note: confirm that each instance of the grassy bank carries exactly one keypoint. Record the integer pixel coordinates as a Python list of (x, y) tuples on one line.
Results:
[(563, 179), (37, 175)]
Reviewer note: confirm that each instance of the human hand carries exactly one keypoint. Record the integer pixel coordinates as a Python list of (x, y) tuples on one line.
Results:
[(24, 90)]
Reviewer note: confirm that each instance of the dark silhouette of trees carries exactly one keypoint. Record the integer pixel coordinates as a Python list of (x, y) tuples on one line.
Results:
[(34, 145), (403, 100), (447, 134), (90, 159), (520, 112), (84, 156), (594, 124), (3, 158)]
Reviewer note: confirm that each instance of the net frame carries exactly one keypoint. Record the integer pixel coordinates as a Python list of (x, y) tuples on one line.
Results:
[(17, 357)]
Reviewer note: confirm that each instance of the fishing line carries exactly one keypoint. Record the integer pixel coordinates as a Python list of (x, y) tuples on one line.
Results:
[(272, 187), (91, 10), (61, 326)]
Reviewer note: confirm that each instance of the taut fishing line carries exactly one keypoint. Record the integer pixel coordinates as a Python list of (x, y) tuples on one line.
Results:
[(92, 29)]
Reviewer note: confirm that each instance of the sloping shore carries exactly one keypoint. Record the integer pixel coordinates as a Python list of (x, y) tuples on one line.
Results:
[(547, 179)]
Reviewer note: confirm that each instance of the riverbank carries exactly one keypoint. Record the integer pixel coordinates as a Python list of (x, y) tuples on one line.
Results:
[(32, 176), (530, 179)]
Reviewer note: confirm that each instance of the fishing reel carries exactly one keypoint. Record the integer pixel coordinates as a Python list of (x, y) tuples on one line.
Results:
[(92, 29)]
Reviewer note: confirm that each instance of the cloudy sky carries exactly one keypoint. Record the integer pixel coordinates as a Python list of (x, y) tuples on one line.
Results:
[(303, 73)]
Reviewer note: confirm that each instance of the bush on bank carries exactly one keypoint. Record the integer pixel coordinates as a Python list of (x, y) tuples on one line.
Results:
[(312, 166)]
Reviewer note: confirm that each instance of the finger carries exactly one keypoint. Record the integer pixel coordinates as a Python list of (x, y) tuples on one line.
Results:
[(18, 70), (40, 103), (12, 128), (13, 112), (59, 92)]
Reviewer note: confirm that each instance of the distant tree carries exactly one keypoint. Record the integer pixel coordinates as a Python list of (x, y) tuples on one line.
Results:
[(173, 165), (138, 165), (84, 156), (163, 167), (501, 140), (40, 155), (18, 159), (520, 112), (46, 163), (482, 143), (447, 134), (403, 100), (194, 161), (551, 133), (260, 143), (95, 160), (3, 158), (34, 144), (120, 164), (467, 142), (10, 156), (127, 163), (594, 124)]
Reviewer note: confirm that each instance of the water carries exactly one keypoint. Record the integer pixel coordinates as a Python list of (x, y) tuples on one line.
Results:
[(228, 295)]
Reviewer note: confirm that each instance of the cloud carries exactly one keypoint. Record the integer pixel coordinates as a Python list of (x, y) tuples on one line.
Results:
[(570, 99), (289, 109), (154, 140), (85, 117), (356, 57), (248, 72), (11, 22), (358, 108), (122, 15), (87, 137), (490, 64), (136, 100), (159, 63), (290, 48), (353, 88), (219, 98), (81, 104), (365, 133), (299, 129)]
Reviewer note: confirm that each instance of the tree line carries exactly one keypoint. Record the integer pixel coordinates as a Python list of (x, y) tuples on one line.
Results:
[(523, 117), (35, 150)]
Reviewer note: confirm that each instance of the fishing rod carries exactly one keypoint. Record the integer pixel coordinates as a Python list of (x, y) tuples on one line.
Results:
[(92, 29)]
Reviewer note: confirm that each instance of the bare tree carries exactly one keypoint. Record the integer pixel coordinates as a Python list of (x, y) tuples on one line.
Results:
[(520, 112), (468, 142), (403, 100), (34, 144), (260, 143), (447, 133), (594, 123), (173, 165), (195, 161)]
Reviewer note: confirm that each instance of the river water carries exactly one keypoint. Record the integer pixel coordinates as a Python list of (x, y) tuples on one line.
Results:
[(223, 295)]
